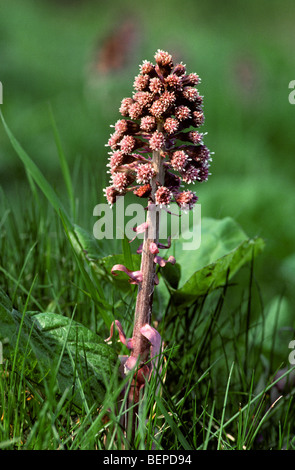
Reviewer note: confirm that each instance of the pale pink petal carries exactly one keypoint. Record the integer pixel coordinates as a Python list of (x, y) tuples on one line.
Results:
[(130, 364), (162, 262), (155, 339), (135, 276), (140, 228)]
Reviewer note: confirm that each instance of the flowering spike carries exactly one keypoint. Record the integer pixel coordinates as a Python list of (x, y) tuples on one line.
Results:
[(155, 147)]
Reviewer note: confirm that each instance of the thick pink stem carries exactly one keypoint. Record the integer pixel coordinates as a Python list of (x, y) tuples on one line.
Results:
[(143, 310)]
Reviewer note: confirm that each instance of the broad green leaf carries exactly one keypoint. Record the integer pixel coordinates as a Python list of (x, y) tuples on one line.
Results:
[(95, 360), (224, 249), (86, 359)]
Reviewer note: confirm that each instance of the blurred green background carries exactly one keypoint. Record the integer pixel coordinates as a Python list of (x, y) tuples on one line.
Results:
[(81, 57)]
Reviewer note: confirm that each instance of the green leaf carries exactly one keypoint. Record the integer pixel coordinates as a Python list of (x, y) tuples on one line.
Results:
[(95, 360), (50, 343), (224, 249)]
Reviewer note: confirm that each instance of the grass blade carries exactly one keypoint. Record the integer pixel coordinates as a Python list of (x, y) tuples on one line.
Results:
[(34, 171), (63, 162), (223, 409)]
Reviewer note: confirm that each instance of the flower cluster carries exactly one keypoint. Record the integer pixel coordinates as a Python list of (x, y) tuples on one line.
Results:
[(163, 115)]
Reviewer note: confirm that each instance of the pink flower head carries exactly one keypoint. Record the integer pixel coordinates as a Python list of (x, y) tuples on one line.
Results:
[(120, 181), (179, 160), (198, 118), (190, 174), (127, 144), (114, 140), (195, 137), (148, 123), (125, 105), (143, 98), (141, 82), (125, 125), (157, 140), (156, 85), (186, 200), (164, 62), (190, 93), (171, 125), (174, 81), (147, 67), (144, 173), (116, 159), (111, 194), (204, 173), (163, 196), (182, 112), (179, 70), (192, 79), (135, 110), (163, 58), (199, 154), (158, 108), (165, 108)]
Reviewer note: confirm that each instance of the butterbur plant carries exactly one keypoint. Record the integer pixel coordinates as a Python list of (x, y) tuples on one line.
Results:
[(156, 148)]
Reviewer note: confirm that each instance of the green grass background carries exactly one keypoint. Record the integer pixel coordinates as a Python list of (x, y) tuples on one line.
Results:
[(244, 53)]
